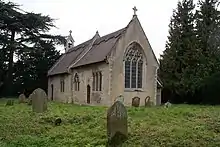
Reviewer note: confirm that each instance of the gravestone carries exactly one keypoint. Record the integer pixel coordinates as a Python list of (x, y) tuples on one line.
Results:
[(167, 104), (117, 125), (120, 98), (136, 101), (147, 101), (21, 98), (39, 100)]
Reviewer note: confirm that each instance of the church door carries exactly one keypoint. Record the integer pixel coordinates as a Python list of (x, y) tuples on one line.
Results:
[(88, 93), (52, 92)]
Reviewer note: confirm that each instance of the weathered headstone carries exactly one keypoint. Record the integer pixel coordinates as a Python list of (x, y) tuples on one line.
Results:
[(120, 98), (147, 101), (21, 98), (136, 101), (39, 100), (117, 125), (167, 104)]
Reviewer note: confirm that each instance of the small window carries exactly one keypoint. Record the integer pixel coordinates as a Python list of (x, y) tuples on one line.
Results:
[(62, 85), (97, 81), (100, 81), (76, 82), (93, 81)]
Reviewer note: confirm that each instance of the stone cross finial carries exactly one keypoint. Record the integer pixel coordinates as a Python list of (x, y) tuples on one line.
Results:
[(70, 31), (135, 10)]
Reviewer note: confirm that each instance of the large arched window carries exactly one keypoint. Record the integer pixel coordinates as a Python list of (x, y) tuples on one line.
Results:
[(76, 82), (133, 62)]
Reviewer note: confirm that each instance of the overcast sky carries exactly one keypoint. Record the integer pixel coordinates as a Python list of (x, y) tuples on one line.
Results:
[(85, 17)]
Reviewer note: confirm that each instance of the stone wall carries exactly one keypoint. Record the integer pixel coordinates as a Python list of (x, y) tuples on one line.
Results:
[(57, 94), (136, 34), (86, 78)]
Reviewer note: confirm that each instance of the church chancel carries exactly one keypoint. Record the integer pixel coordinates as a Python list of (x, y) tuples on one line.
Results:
[(102, 68)]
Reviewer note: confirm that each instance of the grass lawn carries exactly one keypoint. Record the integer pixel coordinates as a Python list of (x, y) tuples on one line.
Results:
[(84, 126)]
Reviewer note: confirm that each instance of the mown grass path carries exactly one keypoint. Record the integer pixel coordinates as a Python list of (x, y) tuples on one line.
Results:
[(84, 126)]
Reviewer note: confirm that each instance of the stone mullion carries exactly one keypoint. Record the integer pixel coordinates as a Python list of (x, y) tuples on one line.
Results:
[(130, 74)]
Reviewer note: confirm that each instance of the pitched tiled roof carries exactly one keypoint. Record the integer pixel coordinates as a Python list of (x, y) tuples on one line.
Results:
[(86, 53), (100, 49), (61, 66)]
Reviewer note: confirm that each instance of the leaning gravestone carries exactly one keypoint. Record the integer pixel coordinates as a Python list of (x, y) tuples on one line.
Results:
[(117, 125), (136, 101), (21, 98), (39, 100)]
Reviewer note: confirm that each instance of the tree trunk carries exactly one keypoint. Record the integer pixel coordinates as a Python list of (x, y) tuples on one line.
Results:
[(10, 66)]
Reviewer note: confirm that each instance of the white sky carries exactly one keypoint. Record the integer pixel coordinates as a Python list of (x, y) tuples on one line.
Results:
[(85, 17)]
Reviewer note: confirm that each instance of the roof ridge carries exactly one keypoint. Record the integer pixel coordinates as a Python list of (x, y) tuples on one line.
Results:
[(124, 30), (77, 46), (73, 48), (113, 32), (94, 38), (105, 40)]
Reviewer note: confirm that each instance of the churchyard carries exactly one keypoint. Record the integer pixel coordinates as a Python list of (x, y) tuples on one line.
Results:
[(59, 124)]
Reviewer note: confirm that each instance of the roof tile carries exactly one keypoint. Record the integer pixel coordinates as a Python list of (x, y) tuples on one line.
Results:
[(70, 56), (97, 53), (100, 48)]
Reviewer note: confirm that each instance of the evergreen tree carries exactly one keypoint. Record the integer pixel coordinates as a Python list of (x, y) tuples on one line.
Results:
[(31, 69), (207, 24), (175, 69), (208, 43), (20, 30)]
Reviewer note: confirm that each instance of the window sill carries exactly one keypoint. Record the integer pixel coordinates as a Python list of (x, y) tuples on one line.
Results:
[(134, 90)]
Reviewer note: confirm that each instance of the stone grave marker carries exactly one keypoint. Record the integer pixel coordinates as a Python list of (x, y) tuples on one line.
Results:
[(147, 101), (136, 101), (117, 125), (120, 98), (21, 98), (167, 104), (39, 100)]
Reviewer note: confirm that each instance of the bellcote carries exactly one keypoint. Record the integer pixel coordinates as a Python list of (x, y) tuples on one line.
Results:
[(69, 41)]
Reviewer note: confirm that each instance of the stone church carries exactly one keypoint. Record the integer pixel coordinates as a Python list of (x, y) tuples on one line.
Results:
[(99, 70)]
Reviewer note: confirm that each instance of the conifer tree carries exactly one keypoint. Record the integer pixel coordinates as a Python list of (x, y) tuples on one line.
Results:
[(208, 46), (179, 51), (19, 30), (207, 29)]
